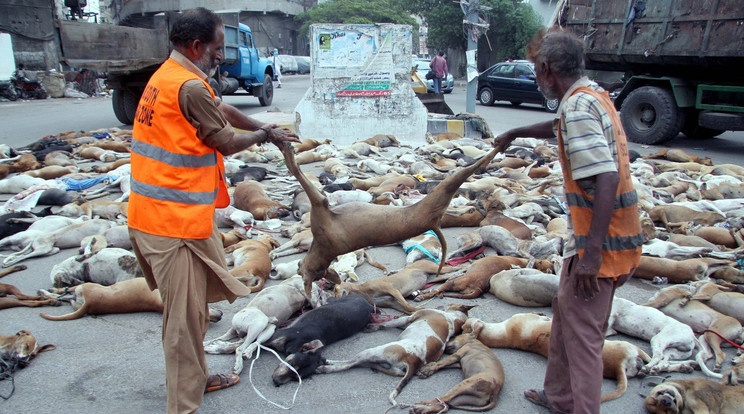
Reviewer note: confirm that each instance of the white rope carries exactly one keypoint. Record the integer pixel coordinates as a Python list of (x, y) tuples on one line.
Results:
[(250, 377)]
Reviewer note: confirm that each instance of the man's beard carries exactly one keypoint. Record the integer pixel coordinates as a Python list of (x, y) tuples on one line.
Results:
[(549, 93), (206, 65)]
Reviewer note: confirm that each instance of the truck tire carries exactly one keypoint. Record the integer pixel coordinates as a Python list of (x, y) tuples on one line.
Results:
[(693, 130), (650, 116), (723, 120), (267, 91), (125, 106), (231, 86)]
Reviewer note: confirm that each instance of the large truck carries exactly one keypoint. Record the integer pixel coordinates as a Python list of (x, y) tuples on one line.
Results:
[(130, 55), (130, 51), (680, 59)]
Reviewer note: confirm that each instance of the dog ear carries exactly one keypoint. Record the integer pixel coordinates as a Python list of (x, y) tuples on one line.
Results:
[(332, 276), (47, 347)]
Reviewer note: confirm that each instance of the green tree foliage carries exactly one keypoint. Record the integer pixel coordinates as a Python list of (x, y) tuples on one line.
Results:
[(355, 12), (512, 24)]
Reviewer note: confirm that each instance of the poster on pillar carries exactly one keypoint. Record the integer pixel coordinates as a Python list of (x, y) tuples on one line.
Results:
[(376, 77)]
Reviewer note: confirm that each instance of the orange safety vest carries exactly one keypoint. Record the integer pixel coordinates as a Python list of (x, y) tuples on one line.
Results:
[(621, 249), (177, 180)]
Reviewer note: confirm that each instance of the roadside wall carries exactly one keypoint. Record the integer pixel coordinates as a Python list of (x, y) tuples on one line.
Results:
[(360, 85)]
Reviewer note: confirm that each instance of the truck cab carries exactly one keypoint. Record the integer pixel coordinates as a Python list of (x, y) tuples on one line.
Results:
[(243, 66)]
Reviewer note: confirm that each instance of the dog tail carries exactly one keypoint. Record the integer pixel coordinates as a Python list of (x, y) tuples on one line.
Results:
[(704, 354), (70, 316), (622, 385)]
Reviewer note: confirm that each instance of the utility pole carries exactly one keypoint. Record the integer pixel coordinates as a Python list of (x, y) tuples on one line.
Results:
[(473, 26)]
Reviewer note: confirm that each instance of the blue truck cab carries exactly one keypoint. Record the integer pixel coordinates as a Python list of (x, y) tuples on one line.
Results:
[(243, 66)]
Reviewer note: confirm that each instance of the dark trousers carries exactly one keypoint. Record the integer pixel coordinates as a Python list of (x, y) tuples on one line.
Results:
[(573, 379)]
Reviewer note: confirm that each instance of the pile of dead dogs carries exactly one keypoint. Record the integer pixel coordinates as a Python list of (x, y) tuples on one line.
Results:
[(70, 191)]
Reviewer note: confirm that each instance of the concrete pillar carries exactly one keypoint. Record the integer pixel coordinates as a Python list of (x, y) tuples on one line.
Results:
[(361, 85)]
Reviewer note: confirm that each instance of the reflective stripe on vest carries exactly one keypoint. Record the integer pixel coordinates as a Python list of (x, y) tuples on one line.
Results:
[(173, 159), (176, 196), (621, 248), (176, 179)]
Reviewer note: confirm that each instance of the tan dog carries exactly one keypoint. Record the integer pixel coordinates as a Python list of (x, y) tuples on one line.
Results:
[(252, 261), (95, 153), (250, 196), (22, 345), (124, 297), (735, 374), (382, 141), (721, 299), (111, 166), (483, 372), (231, 237), (96, 209), (311, 156), (477, 279), (367, 183), (465, 216), (308, 144), (675, 301), (391, 291), (671, 216), (695, 397), (116, 146), (300, 242), (676, 271), (20, 299), (678, 155), (423, 341), (51, 172), (531, 332), (352, 226)]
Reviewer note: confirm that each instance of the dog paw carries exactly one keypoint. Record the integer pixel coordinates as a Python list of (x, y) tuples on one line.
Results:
[(687, 369)]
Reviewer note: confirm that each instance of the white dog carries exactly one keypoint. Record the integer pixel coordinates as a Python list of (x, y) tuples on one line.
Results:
[(256, 323)]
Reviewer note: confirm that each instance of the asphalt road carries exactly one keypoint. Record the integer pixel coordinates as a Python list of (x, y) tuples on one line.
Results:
[(115, 363)]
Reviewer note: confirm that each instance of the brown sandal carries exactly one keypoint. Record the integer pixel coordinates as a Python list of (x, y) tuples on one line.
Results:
[(221, 381), (537, 397)]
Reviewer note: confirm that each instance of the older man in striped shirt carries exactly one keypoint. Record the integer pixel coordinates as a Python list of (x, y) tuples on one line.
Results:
[(603, 249)]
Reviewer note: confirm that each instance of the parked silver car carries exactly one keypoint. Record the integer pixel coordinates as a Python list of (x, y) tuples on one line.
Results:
[(448, 85)]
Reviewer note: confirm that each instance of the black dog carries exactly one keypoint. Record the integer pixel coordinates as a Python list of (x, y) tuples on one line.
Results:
[(246, 173), (330, 188), (302, 340)]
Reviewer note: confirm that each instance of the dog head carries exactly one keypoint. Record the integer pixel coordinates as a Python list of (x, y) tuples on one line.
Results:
[(666, 398), (270, 242), (304, 362), (22, 345)]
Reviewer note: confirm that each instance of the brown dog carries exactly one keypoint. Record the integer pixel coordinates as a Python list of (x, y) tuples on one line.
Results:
[(694, 397), (477, 279), (252, 261), (20, 299), (51, 172), (531, 332), (483, 372), (391, 291), (352, 226), (129, 296), (22, 345), (671, 216), (250, 196), (308, 144)]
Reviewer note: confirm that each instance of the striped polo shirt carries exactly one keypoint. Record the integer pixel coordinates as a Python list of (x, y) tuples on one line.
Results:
[(588, 141)]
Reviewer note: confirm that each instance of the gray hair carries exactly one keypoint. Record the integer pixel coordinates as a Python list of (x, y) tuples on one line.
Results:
[(562, 51)]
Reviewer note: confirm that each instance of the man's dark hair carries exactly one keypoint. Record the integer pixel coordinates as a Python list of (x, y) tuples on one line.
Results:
[(194, 24), (441, 53)]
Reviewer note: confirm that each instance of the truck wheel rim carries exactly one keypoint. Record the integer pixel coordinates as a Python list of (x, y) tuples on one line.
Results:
[(644, 117)]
